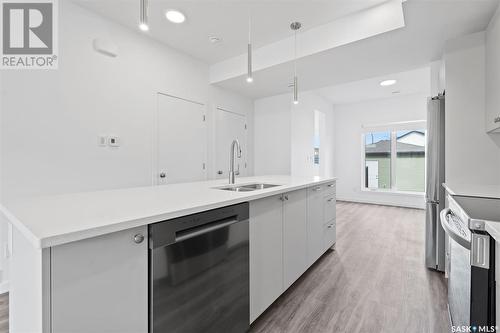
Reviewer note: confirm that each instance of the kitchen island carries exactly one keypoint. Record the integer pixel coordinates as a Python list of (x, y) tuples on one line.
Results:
[(80, 261)]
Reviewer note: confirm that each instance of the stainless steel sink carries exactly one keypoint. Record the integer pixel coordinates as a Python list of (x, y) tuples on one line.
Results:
[(259, 186), (235, 189), (247, 187)]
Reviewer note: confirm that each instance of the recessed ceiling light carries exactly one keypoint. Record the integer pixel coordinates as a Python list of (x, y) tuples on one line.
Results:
[(388, 83), (175, 16)]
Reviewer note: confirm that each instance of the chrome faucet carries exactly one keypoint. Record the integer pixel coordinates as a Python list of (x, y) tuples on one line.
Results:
[(235, 144)]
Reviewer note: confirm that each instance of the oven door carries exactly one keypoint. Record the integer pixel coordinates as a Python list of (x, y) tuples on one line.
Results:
[(459, 280)]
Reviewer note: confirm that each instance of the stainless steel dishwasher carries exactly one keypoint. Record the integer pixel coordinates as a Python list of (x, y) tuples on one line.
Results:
[(199, 272)]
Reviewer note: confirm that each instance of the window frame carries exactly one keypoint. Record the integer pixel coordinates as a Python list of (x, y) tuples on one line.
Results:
[(392, 128)]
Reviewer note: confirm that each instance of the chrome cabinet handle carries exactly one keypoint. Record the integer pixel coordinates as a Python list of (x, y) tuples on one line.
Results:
[(330, 200), (282, 198), (330, 226), (138, 238), (497, 120), (286, 197), (317, 188), (331, 185)]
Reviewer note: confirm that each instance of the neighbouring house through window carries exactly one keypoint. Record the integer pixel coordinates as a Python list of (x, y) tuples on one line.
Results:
[(394, 159)]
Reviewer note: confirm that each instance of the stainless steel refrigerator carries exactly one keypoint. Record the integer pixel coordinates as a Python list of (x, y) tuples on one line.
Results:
[(434, 192)]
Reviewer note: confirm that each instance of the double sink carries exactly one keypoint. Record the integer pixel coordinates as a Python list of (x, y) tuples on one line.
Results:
[(246, 187)]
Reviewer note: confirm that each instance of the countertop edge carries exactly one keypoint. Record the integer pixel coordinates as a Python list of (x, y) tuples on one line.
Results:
[(60, 239)]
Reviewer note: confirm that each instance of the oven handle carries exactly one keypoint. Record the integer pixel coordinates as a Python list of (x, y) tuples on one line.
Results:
[(190, 233), (453, 235)]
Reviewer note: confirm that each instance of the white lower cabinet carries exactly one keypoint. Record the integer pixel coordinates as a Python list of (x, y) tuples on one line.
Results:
[(294, 236), (288, 233), (266, 253), (100, 284), (329, 236), (315, 223)]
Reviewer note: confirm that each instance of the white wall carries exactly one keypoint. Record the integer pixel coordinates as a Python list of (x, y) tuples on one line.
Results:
[(472, 156), (284, 135), (302, 135), (493, 71), (236, 103), (51, 120), (349, 119), (272, 128)]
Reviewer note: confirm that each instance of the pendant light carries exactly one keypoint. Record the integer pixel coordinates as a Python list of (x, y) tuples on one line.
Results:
[(249, 52), (143, 20), (295, 26)]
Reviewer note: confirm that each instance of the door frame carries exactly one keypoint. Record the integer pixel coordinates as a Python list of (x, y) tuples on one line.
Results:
[(155, 137), (218, 108)]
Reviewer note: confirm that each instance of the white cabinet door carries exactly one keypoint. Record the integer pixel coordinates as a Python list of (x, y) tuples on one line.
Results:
[(266, 253), (315, 223), (330, 235), (182, 141), (229, 126), (101, 284), (294, 236)]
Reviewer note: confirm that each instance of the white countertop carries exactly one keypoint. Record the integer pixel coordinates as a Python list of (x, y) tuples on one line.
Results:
[(54, 220), (473, 190)]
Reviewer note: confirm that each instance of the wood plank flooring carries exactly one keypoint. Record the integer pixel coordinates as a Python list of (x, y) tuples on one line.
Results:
[(4, 313), (374, 281)]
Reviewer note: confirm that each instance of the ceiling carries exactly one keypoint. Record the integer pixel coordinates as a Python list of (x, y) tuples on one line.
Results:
[(428, 25), (226, 19), (410, 82)]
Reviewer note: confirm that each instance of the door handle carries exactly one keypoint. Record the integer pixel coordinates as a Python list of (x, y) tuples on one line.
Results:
[(163, 175), (220, 172)]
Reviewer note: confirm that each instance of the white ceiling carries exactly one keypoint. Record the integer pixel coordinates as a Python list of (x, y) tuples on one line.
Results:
[(428, 25), (410, 82), (227, 19)]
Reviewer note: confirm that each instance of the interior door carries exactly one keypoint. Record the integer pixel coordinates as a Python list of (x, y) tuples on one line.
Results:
[(229, 126), (182, 140), (372, 174)]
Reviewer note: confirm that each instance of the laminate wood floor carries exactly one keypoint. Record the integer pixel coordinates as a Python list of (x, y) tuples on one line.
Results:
[(374, 281), (4, 313)]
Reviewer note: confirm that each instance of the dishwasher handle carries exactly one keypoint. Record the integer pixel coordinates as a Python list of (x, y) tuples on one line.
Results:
[(445, 217), (183, 235)]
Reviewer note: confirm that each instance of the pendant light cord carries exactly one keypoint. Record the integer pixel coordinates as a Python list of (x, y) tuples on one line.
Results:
[(295, 54)]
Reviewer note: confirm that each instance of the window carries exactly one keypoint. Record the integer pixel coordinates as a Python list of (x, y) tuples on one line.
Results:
[(395, 160)]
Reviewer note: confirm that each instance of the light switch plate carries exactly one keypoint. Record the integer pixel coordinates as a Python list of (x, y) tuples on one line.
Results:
[(102, 140)]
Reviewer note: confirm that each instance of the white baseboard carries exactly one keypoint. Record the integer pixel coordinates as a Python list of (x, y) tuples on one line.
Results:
[(4, 287), (376, 202)]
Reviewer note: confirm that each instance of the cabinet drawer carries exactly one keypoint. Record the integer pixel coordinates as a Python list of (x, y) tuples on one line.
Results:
[(329, 188), (330, 212), (330, 235), (315, 190)]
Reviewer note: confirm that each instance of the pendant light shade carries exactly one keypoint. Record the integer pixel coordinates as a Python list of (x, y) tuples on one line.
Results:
[(143, 20), (249, 53), (295, 26)]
